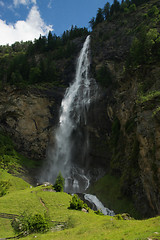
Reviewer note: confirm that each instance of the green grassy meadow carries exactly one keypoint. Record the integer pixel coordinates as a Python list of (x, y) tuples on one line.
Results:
[(22, 197)]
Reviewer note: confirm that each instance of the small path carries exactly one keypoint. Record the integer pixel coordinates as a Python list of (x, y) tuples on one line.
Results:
[(8, 216), (16, 237), (43, 204)]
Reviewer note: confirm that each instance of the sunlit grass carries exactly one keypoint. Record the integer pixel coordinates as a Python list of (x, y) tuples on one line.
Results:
[(108, 189), (148, 97), (87, 226)]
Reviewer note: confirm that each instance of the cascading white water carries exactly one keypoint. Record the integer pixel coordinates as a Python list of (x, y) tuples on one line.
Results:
[(93, 199), (71, 141), (69, 154)]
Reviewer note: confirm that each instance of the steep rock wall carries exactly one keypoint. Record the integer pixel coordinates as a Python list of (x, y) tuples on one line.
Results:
[(132, 112), (28, 116)]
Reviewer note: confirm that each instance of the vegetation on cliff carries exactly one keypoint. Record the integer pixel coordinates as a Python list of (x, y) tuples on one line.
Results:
[(42, 61), (125, 62)]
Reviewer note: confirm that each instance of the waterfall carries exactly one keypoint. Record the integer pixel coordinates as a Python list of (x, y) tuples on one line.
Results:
[(94, 200), (71, 138)]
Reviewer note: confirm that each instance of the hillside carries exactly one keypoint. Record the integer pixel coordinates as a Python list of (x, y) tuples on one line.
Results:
[(66, 223), (125, 53), (123, 124)]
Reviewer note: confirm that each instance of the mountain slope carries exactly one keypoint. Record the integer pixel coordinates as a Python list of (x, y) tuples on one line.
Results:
[(126, 62)]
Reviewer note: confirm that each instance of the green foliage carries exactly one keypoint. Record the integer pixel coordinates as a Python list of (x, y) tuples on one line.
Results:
[(118, 217), (8, 156), (157, 110), (112, 196), (10, 160), (123, 216), (73, 33), (104, 76), (59, 183), (110, 11), (99, 17), (106, 10), (4, 186), (150, 96), (145, 48), (6, 145), (34, 75), (130, 125), (132, 8), (99, 212), (28, 223), (77, 204), (36, 63), (79, 225), (153, 12), (10, 163), (116, 126)]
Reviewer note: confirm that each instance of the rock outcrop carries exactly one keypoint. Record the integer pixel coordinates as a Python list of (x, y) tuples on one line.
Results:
[(28, 116), (131, 111)]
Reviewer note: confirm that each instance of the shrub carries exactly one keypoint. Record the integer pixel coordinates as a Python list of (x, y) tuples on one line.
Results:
[(26, 224), (77, 204), (118, 217), (154, 11), (104, 76), (59, 184), (4, 185), (99, 212), (116, 126), (123, 216), (132, 8)]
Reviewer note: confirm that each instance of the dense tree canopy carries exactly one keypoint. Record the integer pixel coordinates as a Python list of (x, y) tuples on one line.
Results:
[(112, 10), (25, 63)]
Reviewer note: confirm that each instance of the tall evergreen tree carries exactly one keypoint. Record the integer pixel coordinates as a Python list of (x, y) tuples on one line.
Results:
[(99, 17), (106, 10), (92, 22)]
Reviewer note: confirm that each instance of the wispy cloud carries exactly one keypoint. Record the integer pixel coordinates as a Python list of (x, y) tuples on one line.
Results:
[(50, 3), (23, 2), (1, 3), (26, 30)]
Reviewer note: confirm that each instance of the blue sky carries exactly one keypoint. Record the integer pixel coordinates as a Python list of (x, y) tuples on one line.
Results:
[(27, 19)]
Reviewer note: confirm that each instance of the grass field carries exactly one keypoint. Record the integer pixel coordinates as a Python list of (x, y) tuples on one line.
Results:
[(73, 224)]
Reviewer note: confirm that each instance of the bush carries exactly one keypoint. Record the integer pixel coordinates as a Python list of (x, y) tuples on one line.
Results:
[(104, 76), (4, 185), (26, 224), (123, 216), (132, 8), (59, 184), (99, 212), (154, 11), (77, 204)]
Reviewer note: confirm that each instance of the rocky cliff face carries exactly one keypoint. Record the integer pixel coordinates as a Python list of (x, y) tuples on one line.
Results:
[(132, 111), (28, 116)]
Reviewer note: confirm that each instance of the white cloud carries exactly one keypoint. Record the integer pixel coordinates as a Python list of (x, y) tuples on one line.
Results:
[(24, 2), (1, 3), (50, 4), (24, 30)]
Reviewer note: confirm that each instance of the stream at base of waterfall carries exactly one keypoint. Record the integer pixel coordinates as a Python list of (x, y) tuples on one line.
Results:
[(68, 154)]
